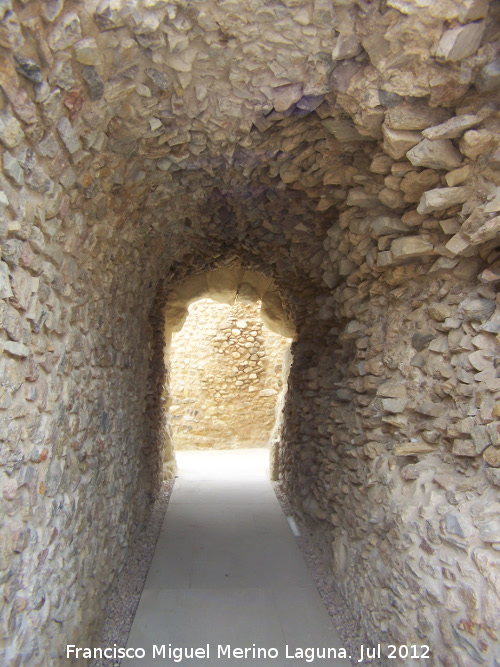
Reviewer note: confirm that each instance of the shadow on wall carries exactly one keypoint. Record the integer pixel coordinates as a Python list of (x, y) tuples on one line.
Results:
[(226, 380)]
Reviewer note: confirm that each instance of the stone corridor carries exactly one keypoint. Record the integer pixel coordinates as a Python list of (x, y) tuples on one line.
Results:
[(336, 162)]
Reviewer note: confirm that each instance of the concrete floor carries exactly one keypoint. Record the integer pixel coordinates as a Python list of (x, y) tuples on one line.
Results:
[(227, 571)]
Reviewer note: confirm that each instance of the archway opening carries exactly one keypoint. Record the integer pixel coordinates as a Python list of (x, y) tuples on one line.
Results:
[(226, 378), (226, 361)]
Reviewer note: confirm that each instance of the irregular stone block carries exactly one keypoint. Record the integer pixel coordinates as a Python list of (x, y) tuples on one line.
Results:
[(393, 405), (460, 42), (420, 340), (48, 147), (66, 33), (471, 10), (458, 524), (343, 130), (489, 77), (381, 164), (452, 128), (493, 477), (68, 135), (412, 448), (438, 154), (16, 349), (490, 531), (411, 246), (52, 9), (492, 456), (10, 130), (12, 168), (477, 142), (87, 51), (5, 288), (284, 97), (398, 142), (431, 409), (346, 46), (464, 447), (441, 198), (11, 36), (392, 198), (458, 176), (414, 184), (384, 225), (359, 197), (408, 116), (457, 244), (488, 231), (477, 309), (107, 16)]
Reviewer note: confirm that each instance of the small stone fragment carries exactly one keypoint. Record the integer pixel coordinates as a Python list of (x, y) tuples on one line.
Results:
[(411, 246), (48, 147), (420, 340), (158, 78), (16, 349), (5, 288), (439, 311), (394, 405), (12, 168), (438, 154), (95, 85), (11, 36), (68, 135), (342, 130), (457, 524), (107, 16), (87, 51), (10, 130), (52, 9), (28, 68), (491, 275), (490, 531), (492, 456), (457, 176)]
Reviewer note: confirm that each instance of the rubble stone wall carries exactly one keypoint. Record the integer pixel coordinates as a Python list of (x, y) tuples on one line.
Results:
[(347, 152), (225, 378)]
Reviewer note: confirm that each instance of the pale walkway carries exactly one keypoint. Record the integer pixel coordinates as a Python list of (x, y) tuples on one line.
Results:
[(227, 571)]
